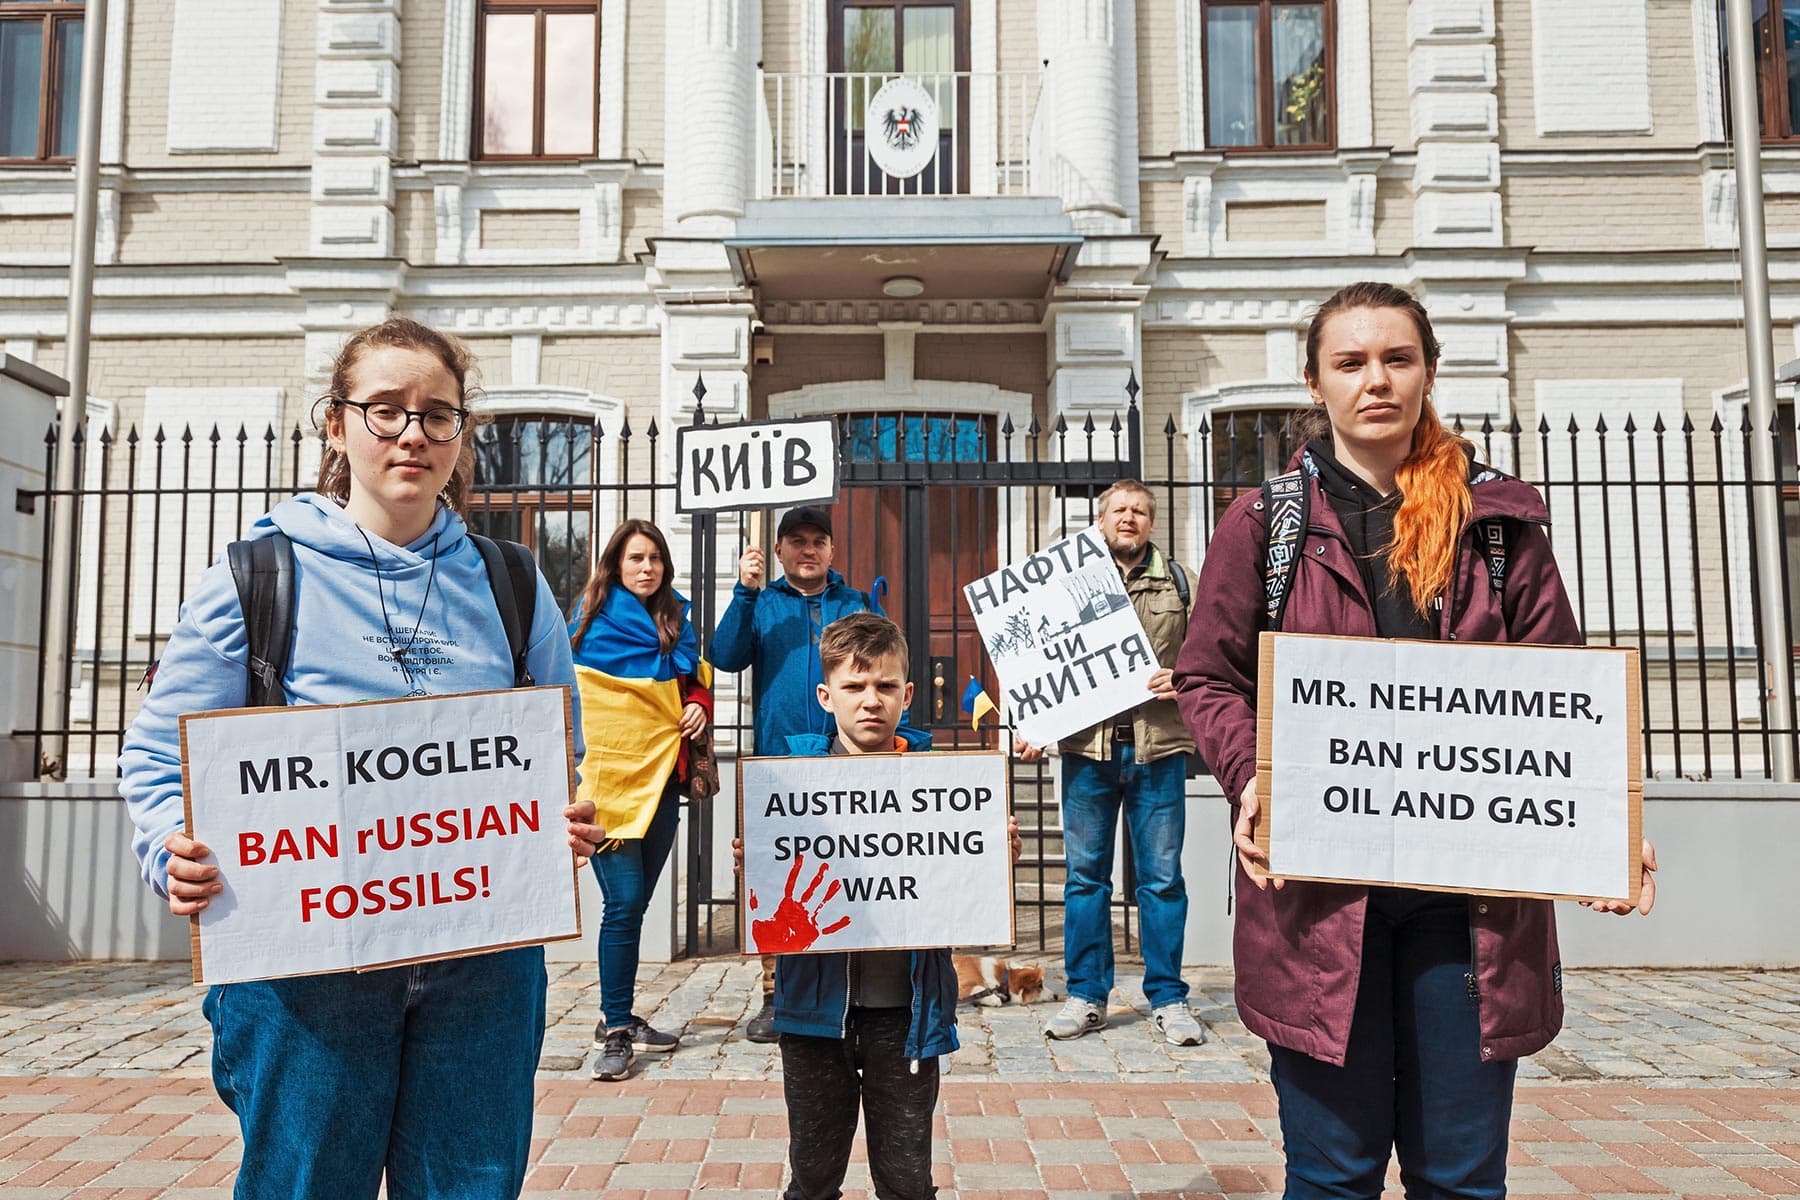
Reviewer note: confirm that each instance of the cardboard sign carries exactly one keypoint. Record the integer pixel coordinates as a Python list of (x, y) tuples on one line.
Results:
[(1066, 644), (1451, 766), (353, 836), (756, 464), (874, 852)]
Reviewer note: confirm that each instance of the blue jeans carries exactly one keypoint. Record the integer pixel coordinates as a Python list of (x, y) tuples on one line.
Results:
[(335, 1077), (1154, 798), (628, 873), (1413, 1079)]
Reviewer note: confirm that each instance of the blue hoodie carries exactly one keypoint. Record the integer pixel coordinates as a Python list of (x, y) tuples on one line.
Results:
[(340, 639), (776, 630), (812, 991)]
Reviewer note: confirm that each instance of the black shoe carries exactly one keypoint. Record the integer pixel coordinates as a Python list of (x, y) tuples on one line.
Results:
[(762, 1026), (615, 1057), (646, 1040)]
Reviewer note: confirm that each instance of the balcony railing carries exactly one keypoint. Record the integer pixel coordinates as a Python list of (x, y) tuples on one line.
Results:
[(812, 141)]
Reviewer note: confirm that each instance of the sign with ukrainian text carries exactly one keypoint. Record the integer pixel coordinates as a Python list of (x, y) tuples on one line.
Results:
[(1066, 644), (1494, 769), (755, 464), (355, 836), (874, 852)]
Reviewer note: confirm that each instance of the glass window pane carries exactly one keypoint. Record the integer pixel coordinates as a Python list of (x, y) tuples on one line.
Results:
[(868, 47), (930, 52), (569, 87), (21, 79), (508, 83), (1298, 46), (68, 89), (1231, 77)]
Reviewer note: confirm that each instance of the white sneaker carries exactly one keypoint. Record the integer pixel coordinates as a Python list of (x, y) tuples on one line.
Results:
[(1177, 1024), (1077, 1017)]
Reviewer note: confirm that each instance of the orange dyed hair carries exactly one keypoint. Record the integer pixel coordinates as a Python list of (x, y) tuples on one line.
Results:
[(1434, 477)]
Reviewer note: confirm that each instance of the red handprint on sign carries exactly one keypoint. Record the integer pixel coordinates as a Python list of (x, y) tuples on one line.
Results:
[(792, 928)]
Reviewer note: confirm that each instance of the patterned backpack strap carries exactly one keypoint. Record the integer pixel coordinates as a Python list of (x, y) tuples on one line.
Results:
[(1492, 536), (1285, 499)]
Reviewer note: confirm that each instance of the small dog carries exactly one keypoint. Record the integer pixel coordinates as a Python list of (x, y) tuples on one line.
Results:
[(991, 982)]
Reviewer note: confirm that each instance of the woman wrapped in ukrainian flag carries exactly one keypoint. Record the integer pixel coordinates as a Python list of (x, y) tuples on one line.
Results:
[(645, 692)]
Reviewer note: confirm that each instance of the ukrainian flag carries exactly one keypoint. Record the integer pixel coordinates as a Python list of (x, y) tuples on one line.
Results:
[(631, 700), (976, 702)]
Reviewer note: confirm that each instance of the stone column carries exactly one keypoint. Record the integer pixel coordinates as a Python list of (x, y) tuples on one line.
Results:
[(1456, 120), (356, 100), (710, 108), (1081, 40)]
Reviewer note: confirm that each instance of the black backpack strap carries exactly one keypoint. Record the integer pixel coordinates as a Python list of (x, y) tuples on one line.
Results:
[(1285, 501), (513, 577), (1179, 577), (264, 573)]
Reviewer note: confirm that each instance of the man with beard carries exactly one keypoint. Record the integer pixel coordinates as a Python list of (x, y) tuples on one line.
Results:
[(1136, 761)]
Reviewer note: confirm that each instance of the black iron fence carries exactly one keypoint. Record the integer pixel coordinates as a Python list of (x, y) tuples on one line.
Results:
[(1654, 527)]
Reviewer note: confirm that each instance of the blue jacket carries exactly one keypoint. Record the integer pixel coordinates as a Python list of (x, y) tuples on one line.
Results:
[(776, 630), (812, 991)]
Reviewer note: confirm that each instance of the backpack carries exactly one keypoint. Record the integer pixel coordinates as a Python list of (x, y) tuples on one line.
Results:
[(264, 573), (1287, 501)]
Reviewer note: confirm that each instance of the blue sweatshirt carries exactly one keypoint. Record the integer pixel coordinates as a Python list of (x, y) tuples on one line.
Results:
[(340, 645)]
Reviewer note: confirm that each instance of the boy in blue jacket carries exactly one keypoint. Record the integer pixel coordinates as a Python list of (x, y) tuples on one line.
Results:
[(863, 1029)]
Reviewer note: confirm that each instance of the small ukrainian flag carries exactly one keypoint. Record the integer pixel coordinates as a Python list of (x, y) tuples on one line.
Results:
[(976, 702)]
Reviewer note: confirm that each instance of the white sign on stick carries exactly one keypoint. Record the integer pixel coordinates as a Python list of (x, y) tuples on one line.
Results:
[(353, 836), (874, 852), (1504, 769), (755, 464), (1065, 642)]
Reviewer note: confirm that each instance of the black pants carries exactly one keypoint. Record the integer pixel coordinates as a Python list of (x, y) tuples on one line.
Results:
[(823, 1080)]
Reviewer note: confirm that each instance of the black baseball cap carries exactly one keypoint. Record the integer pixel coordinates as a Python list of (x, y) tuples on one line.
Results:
[(805, 515)]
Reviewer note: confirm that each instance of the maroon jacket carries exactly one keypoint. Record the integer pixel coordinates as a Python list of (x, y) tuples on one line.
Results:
[(1298, 951)]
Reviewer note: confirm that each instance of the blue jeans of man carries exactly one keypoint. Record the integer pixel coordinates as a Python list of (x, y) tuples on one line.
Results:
[(425, 1071), (628, 873), (1153, 798), (1413, 1079)]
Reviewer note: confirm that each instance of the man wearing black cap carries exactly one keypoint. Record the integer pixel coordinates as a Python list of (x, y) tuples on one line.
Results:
[(775, 630)]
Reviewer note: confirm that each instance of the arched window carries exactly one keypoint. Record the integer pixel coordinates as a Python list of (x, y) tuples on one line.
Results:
[(536, 483)]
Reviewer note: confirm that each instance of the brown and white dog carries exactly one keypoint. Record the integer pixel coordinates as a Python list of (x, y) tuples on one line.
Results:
[(991, 982)]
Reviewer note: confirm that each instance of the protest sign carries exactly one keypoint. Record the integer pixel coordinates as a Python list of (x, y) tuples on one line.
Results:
[(353, 836), (1467, 767), (1066, 644), (755, 464), (874, 852)]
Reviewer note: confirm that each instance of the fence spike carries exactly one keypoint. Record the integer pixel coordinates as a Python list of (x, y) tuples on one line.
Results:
[(1032, 431), (1487, 426), (651, 432), (1599, 424), (1630, 425), (297, 437), (1657, 427), (106, 437), (1062, 425), (1205, 424), (131, 439), (1718, 425), (1169, 427), (624, 428), (79, 437), (160, 437), (213, 437), (1131, 387), (1687, 425), (187, 434), (269, 435), (1744, 421), (1456, 425), (1544, 425), (1116, 426), (1006, 426), (243, 434), (1087, 424)]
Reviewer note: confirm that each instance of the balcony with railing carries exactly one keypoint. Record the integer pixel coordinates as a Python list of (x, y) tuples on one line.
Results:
[(815, 133)]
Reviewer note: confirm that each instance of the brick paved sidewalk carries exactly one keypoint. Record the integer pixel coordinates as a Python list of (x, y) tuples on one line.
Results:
[(84, 1138), (1665, 1083)]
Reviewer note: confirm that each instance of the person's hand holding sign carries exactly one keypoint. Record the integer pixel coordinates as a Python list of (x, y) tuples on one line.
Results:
[(190, 880), (1026, 751), (750, 568), (693, 721), (1646, 893), (1243, 835), (1162, 684), (585, 836)]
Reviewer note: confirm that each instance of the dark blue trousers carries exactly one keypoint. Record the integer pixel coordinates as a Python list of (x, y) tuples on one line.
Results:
[(1413, 1080)]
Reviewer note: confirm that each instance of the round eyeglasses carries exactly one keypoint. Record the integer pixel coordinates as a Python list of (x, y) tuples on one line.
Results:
[(440, 424)]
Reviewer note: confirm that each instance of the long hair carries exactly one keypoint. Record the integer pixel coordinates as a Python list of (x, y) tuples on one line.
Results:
[(407, 334), (1433, 478), (662, 605)]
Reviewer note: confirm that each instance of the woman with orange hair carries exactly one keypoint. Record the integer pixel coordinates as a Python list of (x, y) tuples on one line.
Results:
[(1395, 1018)]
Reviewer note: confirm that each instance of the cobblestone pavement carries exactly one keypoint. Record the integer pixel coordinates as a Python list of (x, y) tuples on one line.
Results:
[(1664, 1083)]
